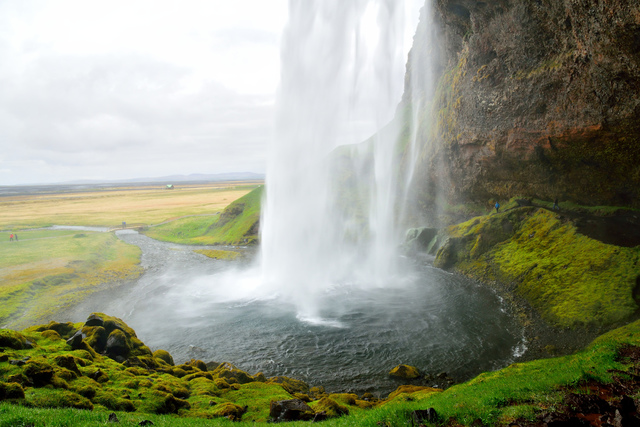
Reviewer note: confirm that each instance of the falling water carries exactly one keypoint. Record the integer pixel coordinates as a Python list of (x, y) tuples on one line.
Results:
[(334, 193), (342, 76)]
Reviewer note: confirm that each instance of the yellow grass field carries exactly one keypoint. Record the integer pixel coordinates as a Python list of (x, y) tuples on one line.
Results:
[(109, 207), (47, 271)]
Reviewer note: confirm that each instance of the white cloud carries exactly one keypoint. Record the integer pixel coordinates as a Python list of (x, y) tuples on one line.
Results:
[(119, 89)]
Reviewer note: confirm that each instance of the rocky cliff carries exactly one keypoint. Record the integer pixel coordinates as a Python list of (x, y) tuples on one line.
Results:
[(535, 98)]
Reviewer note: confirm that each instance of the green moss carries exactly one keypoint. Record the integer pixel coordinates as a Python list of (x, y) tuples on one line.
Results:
[(405, 371), (570, 279), (164, 356), (11, 391), (218, 254), (332, 408), (12, 339), (52, 398)]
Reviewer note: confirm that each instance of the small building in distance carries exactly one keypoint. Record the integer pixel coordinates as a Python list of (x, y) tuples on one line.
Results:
[(169, 187)]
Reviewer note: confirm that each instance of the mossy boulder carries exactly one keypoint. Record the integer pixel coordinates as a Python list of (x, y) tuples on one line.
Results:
[(39, 372), (11, 391), (46, 398), (171, 405), (164, 356), (290, 410), (406, 372), (12, 339), (229, 410), (231, 374), (409, 389), (117, 345), (331, 408), (291, 385), (64, 330)]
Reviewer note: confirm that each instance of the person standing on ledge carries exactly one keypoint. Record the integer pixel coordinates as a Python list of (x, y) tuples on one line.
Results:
[(497, 206), (555, 205)]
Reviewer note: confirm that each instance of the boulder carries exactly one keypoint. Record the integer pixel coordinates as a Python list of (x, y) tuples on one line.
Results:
[(420, 239), (76, 340), (165, 356), (406, 372), (117, 345), (290, 410), (12, 339)]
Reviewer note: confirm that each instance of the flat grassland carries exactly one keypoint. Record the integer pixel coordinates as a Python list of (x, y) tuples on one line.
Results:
[(47, 271), (109, 207)]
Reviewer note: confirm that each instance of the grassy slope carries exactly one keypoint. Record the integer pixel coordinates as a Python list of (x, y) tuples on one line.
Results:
[(49, 269), (236, 225), (570, 279)]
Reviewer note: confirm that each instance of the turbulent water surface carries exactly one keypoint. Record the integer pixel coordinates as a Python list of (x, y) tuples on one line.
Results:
[(194, 306)]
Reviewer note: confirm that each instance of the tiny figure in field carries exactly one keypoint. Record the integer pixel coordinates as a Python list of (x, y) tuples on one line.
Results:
[(497, 206), (11, 238), (15, 236), (555, 205)]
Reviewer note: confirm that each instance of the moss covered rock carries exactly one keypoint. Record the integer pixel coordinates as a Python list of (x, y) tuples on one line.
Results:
[(331, 408), (12, 339), (406, 372), (11, 391), (164, 356)]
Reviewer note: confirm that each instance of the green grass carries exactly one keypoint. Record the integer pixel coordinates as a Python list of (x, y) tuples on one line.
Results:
[(236, 225), (47, 270)]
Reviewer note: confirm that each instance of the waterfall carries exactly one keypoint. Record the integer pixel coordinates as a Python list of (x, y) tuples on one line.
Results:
[(329, 215)]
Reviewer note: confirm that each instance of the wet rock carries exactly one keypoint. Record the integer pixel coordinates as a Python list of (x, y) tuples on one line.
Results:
[(117, 345), (68, 362), (113, 418), (19, 362), (290, 410), (420, 239), (94, 320), (76, 340)]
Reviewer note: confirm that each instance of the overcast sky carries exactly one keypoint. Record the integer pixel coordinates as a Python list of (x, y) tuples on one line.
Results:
[(118, 89)]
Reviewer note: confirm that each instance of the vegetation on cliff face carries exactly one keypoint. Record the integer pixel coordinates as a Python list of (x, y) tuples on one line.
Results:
[(238, 224), (569, 278), (543, 105)]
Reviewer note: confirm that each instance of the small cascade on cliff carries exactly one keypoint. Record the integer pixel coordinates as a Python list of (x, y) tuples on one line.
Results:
[(329, 213), (418, 99)]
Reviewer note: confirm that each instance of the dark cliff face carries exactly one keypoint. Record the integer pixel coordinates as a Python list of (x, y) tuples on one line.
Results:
[(536, 98)]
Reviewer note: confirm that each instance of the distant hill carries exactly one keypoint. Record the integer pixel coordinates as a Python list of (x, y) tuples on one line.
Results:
[(230, 176)]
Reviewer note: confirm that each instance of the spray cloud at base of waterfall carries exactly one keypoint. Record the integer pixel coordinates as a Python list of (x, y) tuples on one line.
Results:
[(333, 191)]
